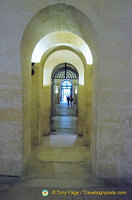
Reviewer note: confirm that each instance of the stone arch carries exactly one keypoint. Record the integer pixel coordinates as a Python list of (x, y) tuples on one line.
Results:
[(45, 91), (63, 47), (61, 37), (40, 25), (68, 18)]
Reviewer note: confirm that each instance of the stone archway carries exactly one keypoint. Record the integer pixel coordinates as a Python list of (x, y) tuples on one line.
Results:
[(64, 83), (26, 51), (45, 91)]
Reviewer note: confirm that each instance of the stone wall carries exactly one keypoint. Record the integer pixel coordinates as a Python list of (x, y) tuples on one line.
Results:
[(35, 106), (114, 92)]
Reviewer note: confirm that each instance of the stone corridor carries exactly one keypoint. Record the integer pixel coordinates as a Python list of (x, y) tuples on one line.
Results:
[(62, 160), (62, 163), (54, 51)]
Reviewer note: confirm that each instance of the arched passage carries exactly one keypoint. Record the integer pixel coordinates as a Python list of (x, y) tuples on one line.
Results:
[(64, 81), (46, 91), (112, 118), (71, 48), (37, 29), (58, 57)]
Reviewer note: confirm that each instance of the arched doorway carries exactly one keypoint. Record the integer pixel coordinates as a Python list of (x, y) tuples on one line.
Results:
[(27, 52), (66, 90), (65, 79)]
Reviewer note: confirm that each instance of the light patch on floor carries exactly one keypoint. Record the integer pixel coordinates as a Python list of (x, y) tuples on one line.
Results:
[(60, 140)]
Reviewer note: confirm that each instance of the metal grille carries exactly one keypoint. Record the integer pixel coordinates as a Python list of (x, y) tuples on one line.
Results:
[(65, 71)]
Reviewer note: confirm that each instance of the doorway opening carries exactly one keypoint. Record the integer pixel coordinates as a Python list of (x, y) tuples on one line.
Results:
[(64, 117), (64, 41), (65, 79), (66, 90)]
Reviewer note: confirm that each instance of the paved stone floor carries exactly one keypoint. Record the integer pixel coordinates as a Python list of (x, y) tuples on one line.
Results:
[(64, 110), (62, 166)]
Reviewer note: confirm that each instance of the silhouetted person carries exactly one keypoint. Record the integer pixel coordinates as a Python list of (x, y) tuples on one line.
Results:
[(68, 99), (71, 99)]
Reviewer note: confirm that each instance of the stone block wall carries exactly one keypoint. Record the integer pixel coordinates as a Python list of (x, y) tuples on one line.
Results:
[(35, 106), (81, 107), (45, 111)]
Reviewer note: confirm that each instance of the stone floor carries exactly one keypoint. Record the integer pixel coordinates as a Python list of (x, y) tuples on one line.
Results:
[(64, 110), (62, 166)]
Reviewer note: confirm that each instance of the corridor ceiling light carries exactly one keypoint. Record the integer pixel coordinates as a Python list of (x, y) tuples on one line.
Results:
[(61, 37)]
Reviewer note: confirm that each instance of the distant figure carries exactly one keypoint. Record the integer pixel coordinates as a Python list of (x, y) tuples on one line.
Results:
[(71, 99), (68, 99)]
